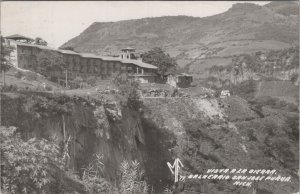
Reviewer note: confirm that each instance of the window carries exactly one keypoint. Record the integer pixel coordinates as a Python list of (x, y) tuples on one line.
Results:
[(129, 69)]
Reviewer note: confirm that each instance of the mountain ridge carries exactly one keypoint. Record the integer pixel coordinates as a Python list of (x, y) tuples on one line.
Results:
[(244, 28)]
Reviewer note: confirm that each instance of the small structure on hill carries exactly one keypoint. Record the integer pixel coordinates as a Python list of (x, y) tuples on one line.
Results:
[(181, 80), (224, 93)]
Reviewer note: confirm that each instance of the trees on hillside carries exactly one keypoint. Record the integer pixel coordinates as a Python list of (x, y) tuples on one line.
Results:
[(129, 93), (165, 63)]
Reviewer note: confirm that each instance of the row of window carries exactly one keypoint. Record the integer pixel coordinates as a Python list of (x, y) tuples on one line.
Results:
[(28, 59), (88, 62), (28, 50), (80, 69), (75, 66)]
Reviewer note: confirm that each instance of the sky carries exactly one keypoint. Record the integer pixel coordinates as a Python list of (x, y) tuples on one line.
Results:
[(59, 21)]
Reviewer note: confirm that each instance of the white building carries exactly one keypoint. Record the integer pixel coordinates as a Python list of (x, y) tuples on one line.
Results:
[(224, 93)]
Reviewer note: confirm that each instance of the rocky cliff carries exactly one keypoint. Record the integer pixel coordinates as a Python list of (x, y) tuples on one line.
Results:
[(229, 133), (274, 65), (90, 127), (203, 133)]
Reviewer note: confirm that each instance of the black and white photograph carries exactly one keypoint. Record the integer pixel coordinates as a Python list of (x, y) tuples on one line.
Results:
[(149, 97)]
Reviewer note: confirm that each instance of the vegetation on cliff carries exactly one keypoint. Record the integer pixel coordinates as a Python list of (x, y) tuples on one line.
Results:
[(26, 166), (228, 133), (84, 134)]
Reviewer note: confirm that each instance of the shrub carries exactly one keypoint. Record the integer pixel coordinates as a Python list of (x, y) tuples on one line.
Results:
[(291, 107), (245, 89), (13, 87), (119, 79), (19, 75), (276, 103), (39, 88), (74, 85), (31, 76), (48, 88), (78, 81), (26, 166), (85, 85), (168, 191), (40, 106), (131, 179), (294, 77), (91, 80), (92, 177), (130, 94), (10, 88), (211, 79)]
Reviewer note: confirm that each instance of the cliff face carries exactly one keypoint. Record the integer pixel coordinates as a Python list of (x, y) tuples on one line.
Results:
[(91, 128), (228, 133), (203, 133), (277, 65)]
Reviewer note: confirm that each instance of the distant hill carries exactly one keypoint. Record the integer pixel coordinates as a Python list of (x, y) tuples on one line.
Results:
[(284, 8), (199, 42)]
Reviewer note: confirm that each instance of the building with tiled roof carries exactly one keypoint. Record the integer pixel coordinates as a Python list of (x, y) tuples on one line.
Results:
[(83, 64)]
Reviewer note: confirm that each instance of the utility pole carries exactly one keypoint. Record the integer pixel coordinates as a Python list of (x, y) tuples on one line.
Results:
[(3, 71), (66, 78), (2, 61)]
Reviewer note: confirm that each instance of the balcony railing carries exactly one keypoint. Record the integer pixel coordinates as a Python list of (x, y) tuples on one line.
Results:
[(141, 74)]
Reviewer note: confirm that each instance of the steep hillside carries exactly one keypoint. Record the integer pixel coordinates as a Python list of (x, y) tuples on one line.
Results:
[(274, 65), (244, 28), (284, 8), (218, 134), (203, 133), (89, 127), (26, 79)]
